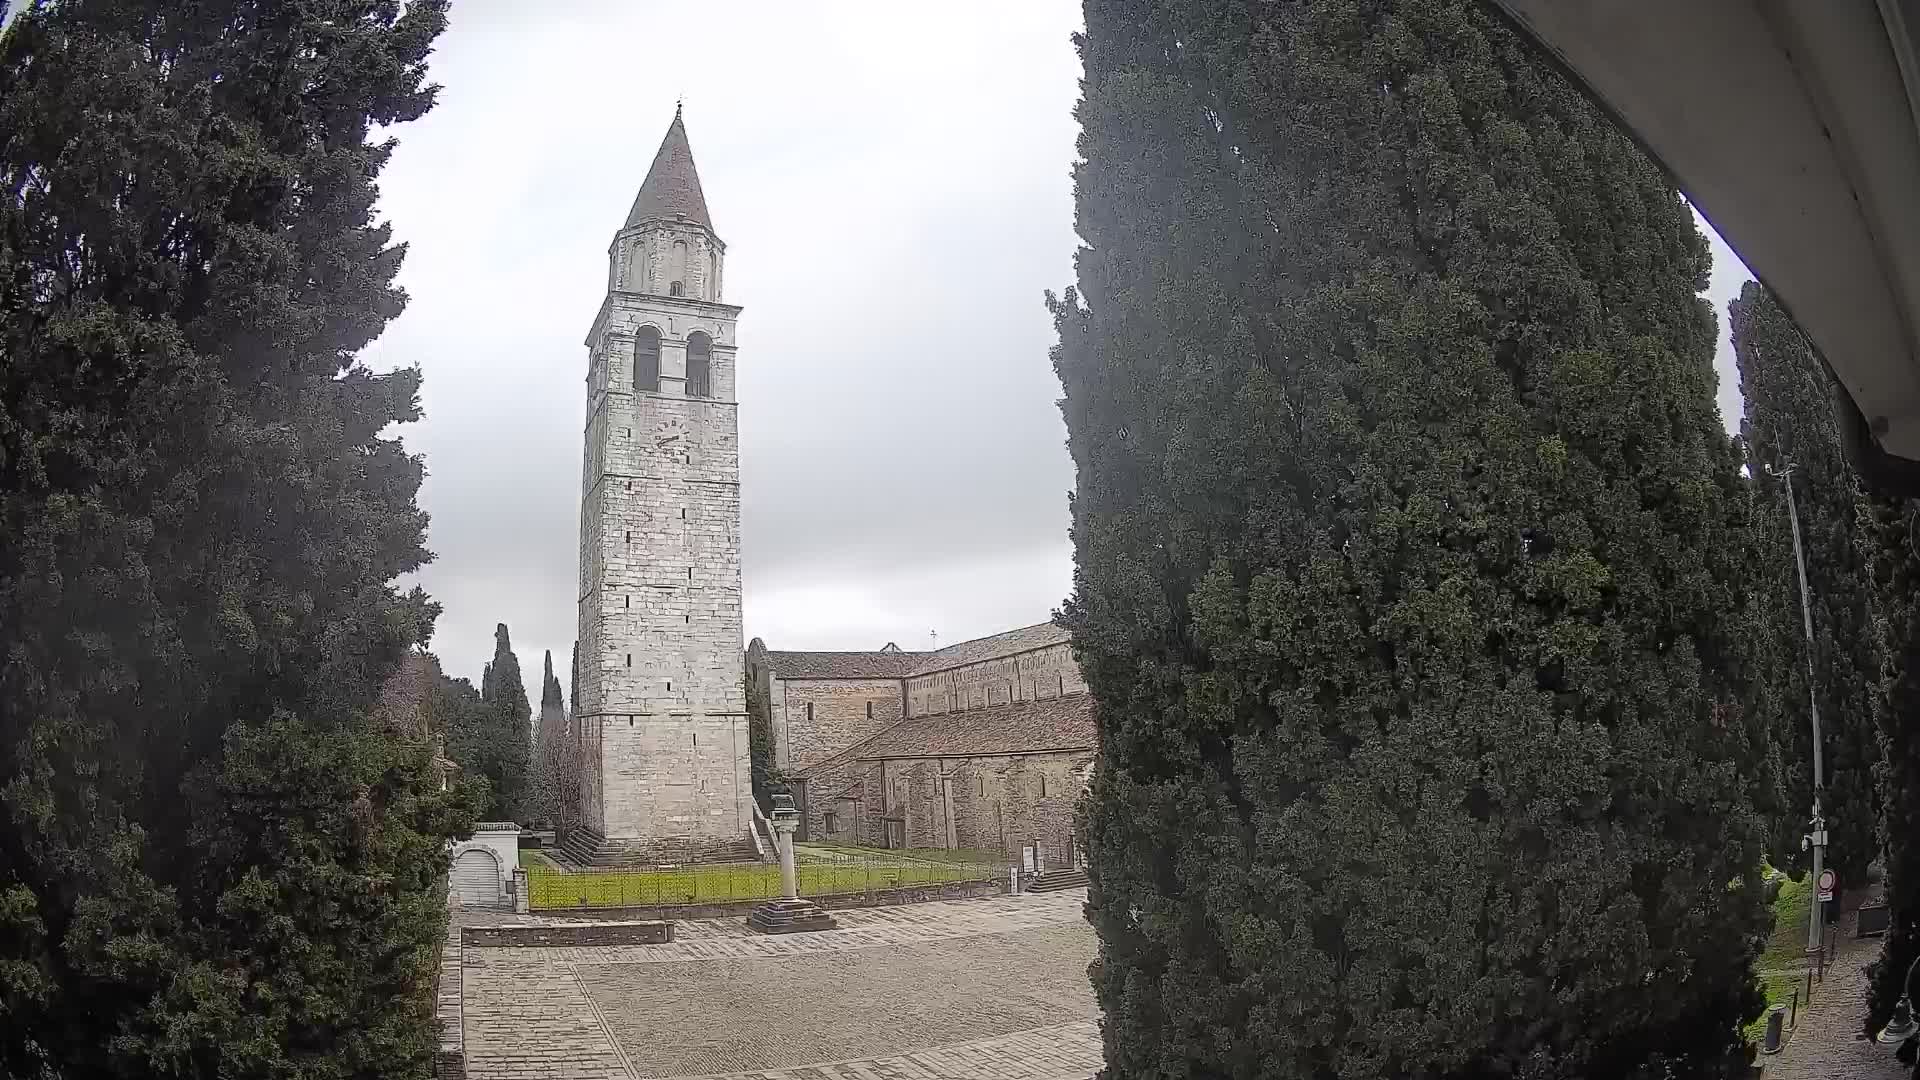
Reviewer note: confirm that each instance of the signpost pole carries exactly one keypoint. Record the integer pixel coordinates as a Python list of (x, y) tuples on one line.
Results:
[(1817, 838)]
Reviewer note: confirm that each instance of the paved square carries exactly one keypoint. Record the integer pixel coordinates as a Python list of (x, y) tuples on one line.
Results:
[(972, 988)]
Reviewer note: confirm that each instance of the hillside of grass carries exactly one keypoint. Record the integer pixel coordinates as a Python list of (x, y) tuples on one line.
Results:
[(1783, 962)]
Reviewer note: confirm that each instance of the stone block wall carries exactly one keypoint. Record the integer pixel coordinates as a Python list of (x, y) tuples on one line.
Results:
[(675, 777), (1028, 676), (533, 935), (450, 1055), (661, 712), (999, 803), (644, 259), (814, 719)]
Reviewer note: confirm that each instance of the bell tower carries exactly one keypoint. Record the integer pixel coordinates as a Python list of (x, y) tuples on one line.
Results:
[(661, 717)]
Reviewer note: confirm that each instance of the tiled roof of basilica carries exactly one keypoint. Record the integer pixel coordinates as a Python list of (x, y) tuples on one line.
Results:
[(842, 665), (1025, 639), (1022, 727), (895, 664)]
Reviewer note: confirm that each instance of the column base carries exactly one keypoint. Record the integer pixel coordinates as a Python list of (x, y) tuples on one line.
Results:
[(790, 916)]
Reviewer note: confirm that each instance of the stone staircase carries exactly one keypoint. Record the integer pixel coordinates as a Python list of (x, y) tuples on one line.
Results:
[(1057, 879)]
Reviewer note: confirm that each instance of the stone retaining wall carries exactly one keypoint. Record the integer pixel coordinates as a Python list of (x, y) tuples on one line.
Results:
[(450, 1059), (623, 932)]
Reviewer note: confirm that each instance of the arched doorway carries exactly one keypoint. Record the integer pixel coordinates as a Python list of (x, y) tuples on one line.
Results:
[(476, 878)]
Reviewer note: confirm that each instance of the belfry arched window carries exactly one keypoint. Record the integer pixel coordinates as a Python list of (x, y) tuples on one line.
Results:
[(646, 360), (677, 270), (699, 365)]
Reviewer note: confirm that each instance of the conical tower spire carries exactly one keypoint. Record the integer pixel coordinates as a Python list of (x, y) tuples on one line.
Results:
[(672, 188)]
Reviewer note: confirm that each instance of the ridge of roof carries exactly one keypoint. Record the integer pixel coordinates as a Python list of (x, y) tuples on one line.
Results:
[(991, 647), (876, 664)]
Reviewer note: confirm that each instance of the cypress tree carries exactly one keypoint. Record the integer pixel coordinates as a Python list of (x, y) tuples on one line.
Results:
[(555, 787), (505, 732), (550, 699), (214, 859), (1409, 562), (759, 743), (1790, 421), (1896, 535)]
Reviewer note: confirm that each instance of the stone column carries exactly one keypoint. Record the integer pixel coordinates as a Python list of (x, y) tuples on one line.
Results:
[(789, 914), (946, 804), (783, 830)]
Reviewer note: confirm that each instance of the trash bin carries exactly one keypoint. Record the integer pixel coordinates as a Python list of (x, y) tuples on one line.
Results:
[(1776, 1024)]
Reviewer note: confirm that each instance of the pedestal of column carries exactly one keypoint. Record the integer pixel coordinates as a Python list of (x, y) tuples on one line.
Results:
[(790, 914)]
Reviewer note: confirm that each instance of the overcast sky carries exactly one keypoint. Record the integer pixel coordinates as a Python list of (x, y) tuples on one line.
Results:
[(892, 182)]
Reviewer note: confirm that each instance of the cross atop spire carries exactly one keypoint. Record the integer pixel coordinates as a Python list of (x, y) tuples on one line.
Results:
[(672, 188)]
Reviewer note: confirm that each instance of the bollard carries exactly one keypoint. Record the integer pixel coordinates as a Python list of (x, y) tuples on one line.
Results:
[(1793, 1009), (1776, 1016)]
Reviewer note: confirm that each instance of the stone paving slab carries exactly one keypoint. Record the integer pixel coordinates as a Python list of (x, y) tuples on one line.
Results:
[(728, 939), (991, 988), (675, 1020), (1061, 1052), (735, 926), (1827, 1045), (539, 1024)]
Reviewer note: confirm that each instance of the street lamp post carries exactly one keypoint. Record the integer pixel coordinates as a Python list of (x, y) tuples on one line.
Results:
[(1816, 838)]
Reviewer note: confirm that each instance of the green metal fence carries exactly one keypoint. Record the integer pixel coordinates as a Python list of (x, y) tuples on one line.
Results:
[(836, 872)]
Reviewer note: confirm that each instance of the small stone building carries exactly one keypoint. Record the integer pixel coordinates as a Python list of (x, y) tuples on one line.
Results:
[(986, 744)]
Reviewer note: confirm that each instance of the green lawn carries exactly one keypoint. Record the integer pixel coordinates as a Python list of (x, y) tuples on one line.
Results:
[(970, 856), (549, 888), (1783, 963), (534, 861)]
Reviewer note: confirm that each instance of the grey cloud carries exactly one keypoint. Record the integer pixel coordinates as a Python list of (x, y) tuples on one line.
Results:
[(892, 181), (893, 186)]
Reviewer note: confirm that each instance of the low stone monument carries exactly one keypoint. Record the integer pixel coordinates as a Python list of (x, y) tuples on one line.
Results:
[(790, 914)]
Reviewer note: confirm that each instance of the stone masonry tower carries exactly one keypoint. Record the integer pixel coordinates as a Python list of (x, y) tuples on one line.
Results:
[(661, 716)]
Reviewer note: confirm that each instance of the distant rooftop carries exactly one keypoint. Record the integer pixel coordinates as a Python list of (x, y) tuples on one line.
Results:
[(892, 662), (1025, 639), (842, 665)]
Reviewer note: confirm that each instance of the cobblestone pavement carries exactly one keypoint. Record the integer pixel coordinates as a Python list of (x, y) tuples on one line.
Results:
[(715, 939), (1064, 1050), (969, 988), (1825, 1044)]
